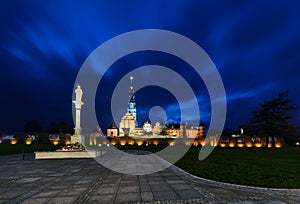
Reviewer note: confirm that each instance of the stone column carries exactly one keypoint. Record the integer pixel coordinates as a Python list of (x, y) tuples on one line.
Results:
[(77, 137)]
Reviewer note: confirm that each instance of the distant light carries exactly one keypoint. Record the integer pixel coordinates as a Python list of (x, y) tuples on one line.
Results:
[(131, 142), (297, 143), (171, 143), (156, 142), (28, 141), (258, 145), (139, 143), (55, 142), (107, 145), (13, 141), (99, 145), (202, 143)]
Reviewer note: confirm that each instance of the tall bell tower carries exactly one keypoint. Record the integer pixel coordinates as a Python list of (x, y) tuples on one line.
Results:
[(131, 102)]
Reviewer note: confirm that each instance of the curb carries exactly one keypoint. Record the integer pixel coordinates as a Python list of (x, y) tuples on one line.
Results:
[(295, 192)]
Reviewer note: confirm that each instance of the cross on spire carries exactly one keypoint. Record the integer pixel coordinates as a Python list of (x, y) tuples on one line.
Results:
[(131, 90)]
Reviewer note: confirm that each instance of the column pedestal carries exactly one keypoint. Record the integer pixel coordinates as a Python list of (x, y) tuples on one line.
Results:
[(77, 138)]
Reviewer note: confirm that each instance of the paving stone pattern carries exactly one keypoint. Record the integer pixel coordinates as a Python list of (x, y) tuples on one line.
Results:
[(86, 181)]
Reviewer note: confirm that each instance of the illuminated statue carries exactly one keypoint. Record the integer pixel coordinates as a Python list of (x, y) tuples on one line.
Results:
[(78, 103)]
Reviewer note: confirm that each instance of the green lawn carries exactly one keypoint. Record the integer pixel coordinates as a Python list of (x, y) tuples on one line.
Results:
[(18, 148), (274, 168)]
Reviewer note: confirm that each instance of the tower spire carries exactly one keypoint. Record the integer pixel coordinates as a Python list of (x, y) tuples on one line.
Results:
[(131, 102), (131, 90)]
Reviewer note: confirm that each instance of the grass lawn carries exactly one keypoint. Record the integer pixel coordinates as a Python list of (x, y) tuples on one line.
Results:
[(18, 148), (273, 168)]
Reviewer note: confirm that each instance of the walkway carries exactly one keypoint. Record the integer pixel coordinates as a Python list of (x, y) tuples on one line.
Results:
[(85, 181)]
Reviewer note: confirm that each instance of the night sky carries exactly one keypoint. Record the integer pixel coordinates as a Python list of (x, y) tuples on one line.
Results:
[(254, 44)]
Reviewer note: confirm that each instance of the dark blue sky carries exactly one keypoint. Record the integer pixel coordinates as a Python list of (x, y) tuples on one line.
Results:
[(254, 44)]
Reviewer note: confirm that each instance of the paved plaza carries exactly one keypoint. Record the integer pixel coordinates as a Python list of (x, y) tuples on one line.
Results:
[(86, 181)]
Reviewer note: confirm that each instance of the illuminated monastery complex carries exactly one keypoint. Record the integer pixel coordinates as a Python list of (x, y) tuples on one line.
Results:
[(128, 126)]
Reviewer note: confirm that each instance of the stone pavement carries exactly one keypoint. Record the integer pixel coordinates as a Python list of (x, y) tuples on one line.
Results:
[(86, 181)]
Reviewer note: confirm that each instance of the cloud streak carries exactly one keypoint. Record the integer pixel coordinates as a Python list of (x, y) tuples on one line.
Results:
[(255, 46)]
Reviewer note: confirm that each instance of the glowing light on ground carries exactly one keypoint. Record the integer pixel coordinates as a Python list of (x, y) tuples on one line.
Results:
[(55, 142), (28, 141), (258, 145), (67, 142), (155, 142), (171, 143), (131, 142), (14, 141), (196, 144), (139, 143)]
